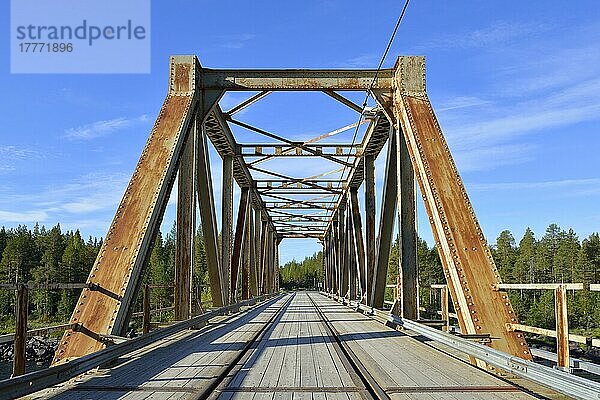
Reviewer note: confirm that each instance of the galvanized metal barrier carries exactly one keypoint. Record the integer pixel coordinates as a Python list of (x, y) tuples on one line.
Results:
[(36, 381), (560, 381)]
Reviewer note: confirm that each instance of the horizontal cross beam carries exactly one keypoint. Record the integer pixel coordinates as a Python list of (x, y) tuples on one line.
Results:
[(295, 79)]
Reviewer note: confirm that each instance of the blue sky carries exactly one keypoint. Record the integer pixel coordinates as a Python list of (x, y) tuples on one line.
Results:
[(516, 87)]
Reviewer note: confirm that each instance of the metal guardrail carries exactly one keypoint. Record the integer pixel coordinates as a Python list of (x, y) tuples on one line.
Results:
[(39, 380), (576, 363), (560, 381)]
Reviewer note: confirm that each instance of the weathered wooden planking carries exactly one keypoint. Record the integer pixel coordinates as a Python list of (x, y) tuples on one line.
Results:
[(185, 360), (396, 359)]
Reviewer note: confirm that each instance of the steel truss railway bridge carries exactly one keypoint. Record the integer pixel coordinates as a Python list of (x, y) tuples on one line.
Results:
[(257, 342)]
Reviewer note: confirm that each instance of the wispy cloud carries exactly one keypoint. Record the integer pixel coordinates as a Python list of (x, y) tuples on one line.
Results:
[(556, 184), (489, 157), (22, 217), (94, 196), (362, 61), (462, 102), (497, 33), (10, 155), (563, 107), (103, 128), (235, 41), (526, 99), (563, 187)]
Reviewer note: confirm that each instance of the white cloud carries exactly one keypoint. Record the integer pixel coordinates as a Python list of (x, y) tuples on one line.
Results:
[(22, 217), (102, 128)]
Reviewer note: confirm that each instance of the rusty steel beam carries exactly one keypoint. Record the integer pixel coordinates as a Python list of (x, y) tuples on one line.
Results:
[(296, 79), (248, 102), (186, 223), (282, 139), (238, 243), (466, 258), (120, 261), (227, 223), (407, 229), (255, 255), (358, 241), (342, 251), (352, 264), (343, 100), (224, 142), (263, 256), (386, 224), (371, 259), (206, 203), (246, 251)]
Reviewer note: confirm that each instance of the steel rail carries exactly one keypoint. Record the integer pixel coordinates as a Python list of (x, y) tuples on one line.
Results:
[(559, 381), (39, 380), (374, 390), (225, 375)]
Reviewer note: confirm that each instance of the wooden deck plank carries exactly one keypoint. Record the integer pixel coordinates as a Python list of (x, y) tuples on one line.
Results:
[(295, 352), (408, 361)]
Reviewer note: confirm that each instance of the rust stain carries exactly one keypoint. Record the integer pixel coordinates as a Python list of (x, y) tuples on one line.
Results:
[(96, 309), (182, 78)]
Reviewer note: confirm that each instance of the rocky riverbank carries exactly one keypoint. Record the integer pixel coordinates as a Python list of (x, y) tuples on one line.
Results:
[(37, 349)]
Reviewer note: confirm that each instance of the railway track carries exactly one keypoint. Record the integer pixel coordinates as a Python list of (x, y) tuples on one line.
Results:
[(364, 384)]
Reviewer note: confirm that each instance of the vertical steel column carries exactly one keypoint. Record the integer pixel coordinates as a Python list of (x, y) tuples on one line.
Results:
[(386, 224), (271, 259), (256, 251), (331, 261), (325, 263), (263, 258), (407, 229), (268, 256), (251, 254), (245, 265), (186, 223), (227, 224), (352, 264), (236, 258), (206, 202), (358, 242), (335, 238), (369, 162), (343, 243), (276, 275)]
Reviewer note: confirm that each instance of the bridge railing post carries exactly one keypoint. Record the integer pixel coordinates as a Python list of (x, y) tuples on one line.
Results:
[(562, 327), (445, 312), (22, 303), (146, 311)]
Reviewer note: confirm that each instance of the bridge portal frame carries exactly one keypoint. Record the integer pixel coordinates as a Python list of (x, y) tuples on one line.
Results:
[(191, 115)]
